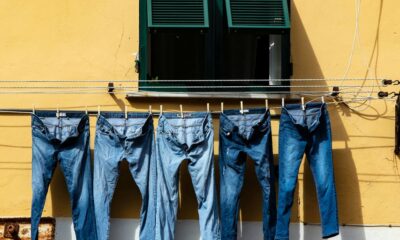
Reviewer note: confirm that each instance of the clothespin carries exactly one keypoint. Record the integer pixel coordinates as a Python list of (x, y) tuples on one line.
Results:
[(208, 107), (161, 110), (150, 111), (58, 112), (302, 104), (241, 107), (181, 108), (222, 107), (33, 109), (283, 102), (266, 104), (126, 112), (322, 99), (98, 110), (86, 111)]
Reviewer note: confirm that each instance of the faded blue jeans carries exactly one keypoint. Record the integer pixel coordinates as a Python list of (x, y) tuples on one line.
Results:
[(119, 139), (240, 135), (306, 132), (191, 138), (64, 140)]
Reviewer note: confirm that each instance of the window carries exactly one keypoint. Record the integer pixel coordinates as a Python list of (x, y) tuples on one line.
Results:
[(183, 40)]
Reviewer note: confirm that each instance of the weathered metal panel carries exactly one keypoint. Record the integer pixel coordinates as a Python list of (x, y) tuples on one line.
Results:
[(20, 228)]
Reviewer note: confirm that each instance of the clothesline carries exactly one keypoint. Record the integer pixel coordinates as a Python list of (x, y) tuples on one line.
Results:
[(199, 80), (157, 113)]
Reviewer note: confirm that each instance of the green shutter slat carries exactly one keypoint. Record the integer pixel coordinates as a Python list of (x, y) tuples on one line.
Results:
[(267, 14), (177, 13)]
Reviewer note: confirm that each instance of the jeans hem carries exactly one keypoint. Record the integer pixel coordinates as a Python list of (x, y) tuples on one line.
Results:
[(329, 235)]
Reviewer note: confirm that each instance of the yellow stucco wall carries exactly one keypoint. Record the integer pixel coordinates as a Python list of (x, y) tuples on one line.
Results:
[(89, 40)]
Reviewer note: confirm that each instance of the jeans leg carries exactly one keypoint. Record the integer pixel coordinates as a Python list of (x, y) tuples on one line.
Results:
[(202, 173), (106, 173), (167, 189), (75, 164), (142, 166), (264, 166), (232, 166), (291, 151), (319, 156), (43, 165)]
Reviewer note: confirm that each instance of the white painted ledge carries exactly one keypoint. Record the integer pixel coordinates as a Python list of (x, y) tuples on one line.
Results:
[(128, 229)]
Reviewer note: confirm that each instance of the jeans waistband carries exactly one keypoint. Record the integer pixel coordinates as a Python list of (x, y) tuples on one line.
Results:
[(165, 126), (228, 125), (36, 117), (122, 114), (104, 125), (297, 106)]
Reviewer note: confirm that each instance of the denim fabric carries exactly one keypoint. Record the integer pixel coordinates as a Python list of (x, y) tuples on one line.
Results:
[(64, 140), (240, 135), (119, 139), (306, 131), (191, 138)]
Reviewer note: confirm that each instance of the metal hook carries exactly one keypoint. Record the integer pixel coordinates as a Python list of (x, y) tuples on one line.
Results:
[(208, 107), (222, 107), (33, 109), (266, 104), (161, 111), (241, 107), (283, 102), (58, 112), (302, 104), (126, 112), (150, 111), (98, 110)]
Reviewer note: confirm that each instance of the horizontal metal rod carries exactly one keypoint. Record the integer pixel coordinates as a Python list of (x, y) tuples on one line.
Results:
[(157, 113), (204, 80), (173, 87)]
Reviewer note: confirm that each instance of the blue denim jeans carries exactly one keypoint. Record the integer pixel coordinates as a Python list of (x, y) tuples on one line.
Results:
[(119, 139), (178, 139), (240, 135), (65, 140), (306, 131)]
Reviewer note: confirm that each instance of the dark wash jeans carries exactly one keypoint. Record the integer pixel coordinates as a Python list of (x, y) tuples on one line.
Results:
[(64, 140), (119, 139), (240, 135), (191, 138), (306, 132)]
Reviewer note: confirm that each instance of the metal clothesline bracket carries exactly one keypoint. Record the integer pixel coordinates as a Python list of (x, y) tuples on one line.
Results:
[(390, 82)]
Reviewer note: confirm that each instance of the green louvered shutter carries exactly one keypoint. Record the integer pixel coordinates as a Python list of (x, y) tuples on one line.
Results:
[(266, 14), (178, 13)]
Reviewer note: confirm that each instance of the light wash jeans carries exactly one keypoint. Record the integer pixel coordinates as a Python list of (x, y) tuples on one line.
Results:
[(119, 139), (306, 131), (64, 140), (191, 138)]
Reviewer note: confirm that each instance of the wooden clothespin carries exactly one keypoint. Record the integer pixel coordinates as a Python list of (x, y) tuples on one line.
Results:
[(181, 109), (208, 107), (266, 104), (126, 112), (241, 107), (222, 107), (58, 112), (302, 104), (283, 102)]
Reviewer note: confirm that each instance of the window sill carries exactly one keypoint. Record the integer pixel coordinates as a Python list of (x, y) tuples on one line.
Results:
[(214, 95)]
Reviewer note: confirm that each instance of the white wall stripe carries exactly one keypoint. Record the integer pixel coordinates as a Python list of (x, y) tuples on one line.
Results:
[(128, 229)]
